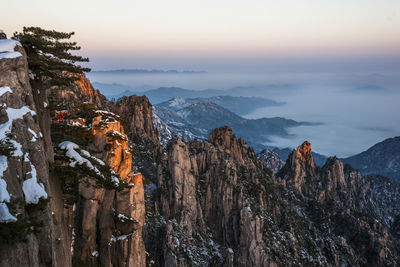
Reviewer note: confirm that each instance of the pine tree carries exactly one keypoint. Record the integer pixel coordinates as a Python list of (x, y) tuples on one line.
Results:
[(49, 56)]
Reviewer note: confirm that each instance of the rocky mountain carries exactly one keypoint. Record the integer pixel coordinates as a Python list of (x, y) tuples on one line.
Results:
[(382, 158), (216, 204), (238, 105), (27, 228), (68, 194), (86, 182)]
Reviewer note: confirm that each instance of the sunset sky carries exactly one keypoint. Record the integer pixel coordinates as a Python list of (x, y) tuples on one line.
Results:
[(222, 35)]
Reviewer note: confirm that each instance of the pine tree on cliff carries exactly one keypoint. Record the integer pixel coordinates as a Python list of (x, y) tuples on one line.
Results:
[(49, 56)]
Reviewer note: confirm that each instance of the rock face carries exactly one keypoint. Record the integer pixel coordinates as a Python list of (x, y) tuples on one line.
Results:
[(205, 198), (24, 171), (111, 220), (81, 91), (218, 205), (271, 160), (382, 158), (138, 114), (343, 204), (96, 211), (105, 205)]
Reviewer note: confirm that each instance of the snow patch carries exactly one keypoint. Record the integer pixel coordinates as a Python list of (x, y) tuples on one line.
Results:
[(14, 114), (4, 90), (33, 190), (7, 47), (5, 215), (34, 138)]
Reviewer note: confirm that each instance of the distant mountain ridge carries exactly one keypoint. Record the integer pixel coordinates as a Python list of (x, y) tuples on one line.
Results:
[(163, 94), (382, 158), (195, 121), (146, 71), (237, 104)]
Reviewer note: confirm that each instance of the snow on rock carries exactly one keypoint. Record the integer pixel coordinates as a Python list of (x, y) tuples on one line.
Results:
[(4, 90), (13, 114), (4, 195), (5, 128), (7, 47), (33, 190), (34, 135), (18, 149), (5, 215)]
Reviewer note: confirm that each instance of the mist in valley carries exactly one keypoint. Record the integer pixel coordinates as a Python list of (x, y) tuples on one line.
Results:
[(356, 110)]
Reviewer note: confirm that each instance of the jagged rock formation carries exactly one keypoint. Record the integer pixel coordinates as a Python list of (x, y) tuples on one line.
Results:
[(24, 171), (204, 195), (96, 212), (106, 208), (343, 205), (271, 160), (138, 114), (218, 205)]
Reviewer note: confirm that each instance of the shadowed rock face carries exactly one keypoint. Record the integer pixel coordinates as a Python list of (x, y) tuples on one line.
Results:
[(354, 207), (218, 192), (203, 195), (137, 112), (20, 119)]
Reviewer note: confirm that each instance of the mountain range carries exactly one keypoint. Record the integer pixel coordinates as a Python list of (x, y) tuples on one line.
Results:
[(145, 71), (87, 182), (383, 158), (195, 121)]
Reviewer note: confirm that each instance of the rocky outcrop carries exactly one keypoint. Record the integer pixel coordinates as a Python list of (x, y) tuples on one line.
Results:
[(80, 91), (343, 204), (137, 112), (300, 169), (28, 236), (217, 192), (106, 208), (206, 192)]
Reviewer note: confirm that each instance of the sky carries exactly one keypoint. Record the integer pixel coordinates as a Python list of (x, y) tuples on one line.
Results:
[(242, 35)]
